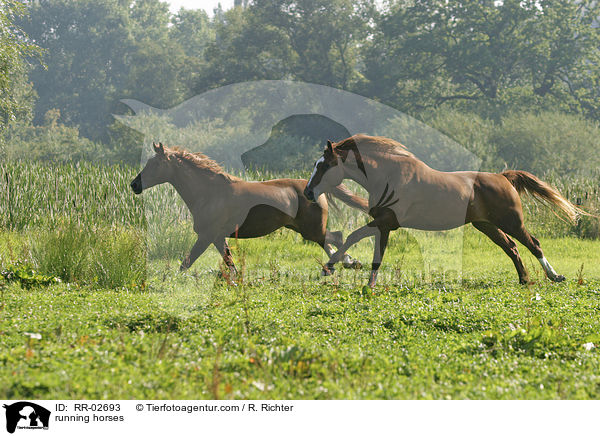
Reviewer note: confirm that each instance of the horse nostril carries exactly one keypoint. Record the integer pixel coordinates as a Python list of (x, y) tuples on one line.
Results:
[(136, 186)]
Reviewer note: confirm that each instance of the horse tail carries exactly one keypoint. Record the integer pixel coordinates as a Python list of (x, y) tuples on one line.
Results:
[(344, 194), (543, 192)]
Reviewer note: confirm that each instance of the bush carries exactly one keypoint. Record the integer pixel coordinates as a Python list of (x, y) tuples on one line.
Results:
[(62, 252), (117, 258), (548, 141), (108, 257), (52, 142), (470, 131)]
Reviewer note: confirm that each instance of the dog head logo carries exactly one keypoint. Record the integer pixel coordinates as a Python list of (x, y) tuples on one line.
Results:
[(26, 415), (264, 125)]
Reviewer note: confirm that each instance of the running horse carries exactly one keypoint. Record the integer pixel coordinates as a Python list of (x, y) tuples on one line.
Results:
[(405, 192), (225, 206)]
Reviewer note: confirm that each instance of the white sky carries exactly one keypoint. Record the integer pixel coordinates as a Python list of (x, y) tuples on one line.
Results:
[(207, 5)]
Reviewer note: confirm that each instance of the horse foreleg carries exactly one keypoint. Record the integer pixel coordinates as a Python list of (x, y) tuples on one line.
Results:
[(381, 241), (199, 247), (336, 240), (223, 248), (353, 238)]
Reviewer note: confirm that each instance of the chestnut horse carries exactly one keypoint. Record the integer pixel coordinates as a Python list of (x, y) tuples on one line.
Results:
[(226, 206), (405, 192)]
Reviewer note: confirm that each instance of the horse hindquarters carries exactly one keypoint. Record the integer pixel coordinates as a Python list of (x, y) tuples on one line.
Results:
[(260, 221), (497, 212), (311, 220)]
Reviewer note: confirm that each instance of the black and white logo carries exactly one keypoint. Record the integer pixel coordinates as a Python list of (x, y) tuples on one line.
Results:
[(26, 415)]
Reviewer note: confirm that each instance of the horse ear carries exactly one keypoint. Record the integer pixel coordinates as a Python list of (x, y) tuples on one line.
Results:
[(158, 149), (329, 145)]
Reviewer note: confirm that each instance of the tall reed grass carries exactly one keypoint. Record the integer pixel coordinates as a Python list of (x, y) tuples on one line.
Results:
[(85, 223)]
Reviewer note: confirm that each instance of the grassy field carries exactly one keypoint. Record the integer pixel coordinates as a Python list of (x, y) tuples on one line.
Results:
[(124, 323), (285, 333)]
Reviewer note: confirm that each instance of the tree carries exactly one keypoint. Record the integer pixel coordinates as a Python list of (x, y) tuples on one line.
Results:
[(16, 96), (156, 63), (87, 44), (472, 49), (324, 36), (101, 51), (192, 30), (314, 41), (244, 48)]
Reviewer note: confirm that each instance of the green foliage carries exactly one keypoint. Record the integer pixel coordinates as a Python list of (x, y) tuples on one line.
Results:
[(26, 276), (428, 53), (311, 41), (99, 52), (16, 98), (548, 141), (539, 142), (37, 194), (51, 142), (469, 130), (301, 337), (106, 257)]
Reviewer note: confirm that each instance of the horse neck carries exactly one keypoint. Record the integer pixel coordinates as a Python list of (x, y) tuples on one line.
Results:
[(193, 185), (351, 171)]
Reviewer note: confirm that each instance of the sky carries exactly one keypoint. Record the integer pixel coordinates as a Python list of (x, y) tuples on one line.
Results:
[(207, 5)]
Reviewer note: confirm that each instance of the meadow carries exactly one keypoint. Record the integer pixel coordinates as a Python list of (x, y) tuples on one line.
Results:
[(93, 306)]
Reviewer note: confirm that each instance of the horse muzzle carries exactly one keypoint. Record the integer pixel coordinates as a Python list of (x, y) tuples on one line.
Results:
[(136, 185), (309, 193)]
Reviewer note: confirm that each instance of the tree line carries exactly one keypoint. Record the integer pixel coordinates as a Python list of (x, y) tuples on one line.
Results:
[(65, 64)]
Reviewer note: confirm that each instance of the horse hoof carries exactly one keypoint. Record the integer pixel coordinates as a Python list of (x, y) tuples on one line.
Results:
[(327, 271), (353, 264)]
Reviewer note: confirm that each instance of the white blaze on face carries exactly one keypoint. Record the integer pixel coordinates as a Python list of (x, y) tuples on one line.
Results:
[(315, 191), (322, 159), (547, 267)]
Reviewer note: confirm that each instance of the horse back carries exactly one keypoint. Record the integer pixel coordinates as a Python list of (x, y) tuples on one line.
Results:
[(279, 203)]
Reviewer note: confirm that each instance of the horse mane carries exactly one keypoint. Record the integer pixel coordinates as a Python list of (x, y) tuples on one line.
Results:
[(375, 143), (201, 162)]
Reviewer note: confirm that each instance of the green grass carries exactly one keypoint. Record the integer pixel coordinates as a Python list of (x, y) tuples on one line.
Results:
[(286, 333), (124, 323)]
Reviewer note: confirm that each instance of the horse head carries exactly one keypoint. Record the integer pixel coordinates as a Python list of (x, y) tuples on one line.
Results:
[(156, 171), (327, 173)]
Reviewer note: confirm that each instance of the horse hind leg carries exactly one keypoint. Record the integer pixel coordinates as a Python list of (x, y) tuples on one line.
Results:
[(500, 238), (533, 245), (223, 248)]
